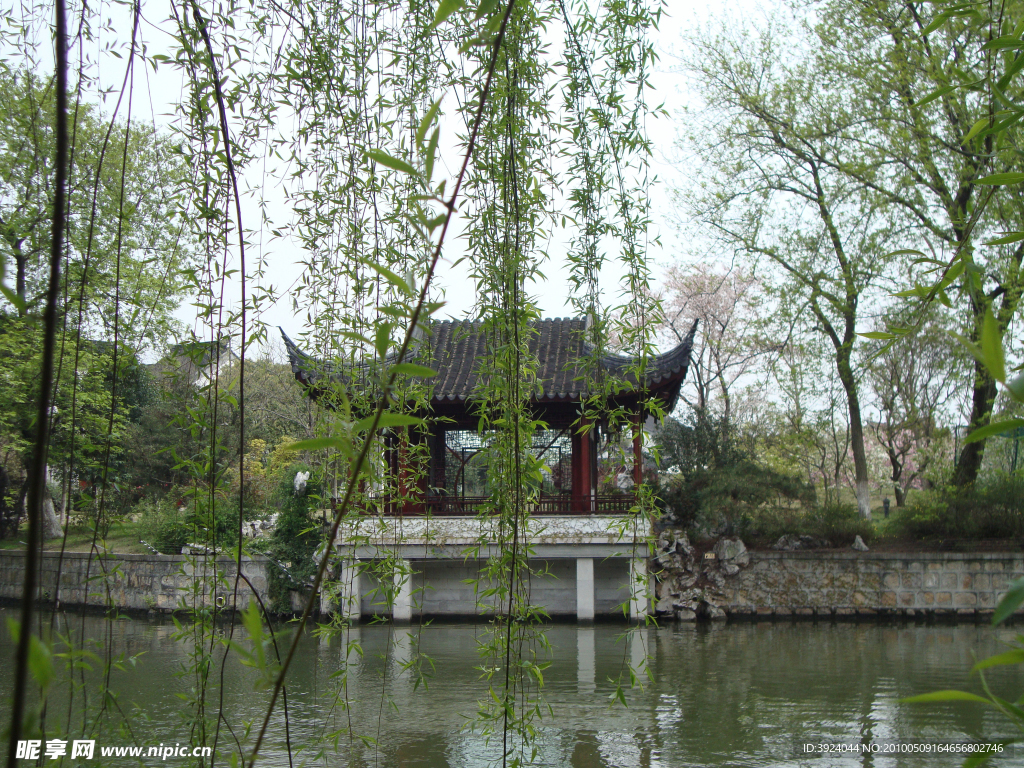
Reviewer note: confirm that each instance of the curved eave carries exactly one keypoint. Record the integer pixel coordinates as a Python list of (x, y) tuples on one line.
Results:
[(663, 375)]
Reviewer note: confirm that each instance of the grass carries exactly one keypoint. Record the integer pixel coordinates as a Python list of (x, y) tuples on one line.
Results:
[(123, 539)]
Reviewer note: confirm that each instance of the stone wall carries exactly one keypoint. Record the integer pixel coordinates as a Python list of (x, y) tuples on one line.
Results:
[(134, 582), (737, 582)]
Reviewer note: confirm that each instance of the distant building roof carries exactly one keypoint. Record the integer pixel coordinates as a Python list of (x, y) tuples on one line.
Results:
[(456, 348)]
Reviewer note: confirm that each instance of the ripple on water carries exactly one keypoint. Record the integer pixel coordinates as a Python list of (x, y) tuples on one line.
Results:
[(740, 695)]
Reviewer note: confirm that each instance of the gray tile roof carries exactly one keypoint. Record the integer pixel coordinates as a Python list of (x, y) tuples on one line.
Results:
[(456, 348)]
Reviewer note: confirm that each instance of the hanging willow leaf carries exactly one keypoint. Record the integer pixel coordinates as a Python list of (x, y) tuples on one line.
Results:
[(1010, 237), (426, 122), (412, 369), (997, 179), (1011, 601), (992, 347), (994, 430), (388, 161), (390, 276), (446, 9), (387, 421)]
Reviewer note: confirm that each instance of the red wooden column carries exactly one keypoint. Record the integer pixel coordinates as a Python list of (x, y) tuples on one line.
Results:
[(582, 458)]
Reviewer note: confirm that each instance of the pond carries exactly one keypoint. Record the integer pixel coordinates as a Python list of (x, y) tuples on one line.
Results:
[(746, 694)]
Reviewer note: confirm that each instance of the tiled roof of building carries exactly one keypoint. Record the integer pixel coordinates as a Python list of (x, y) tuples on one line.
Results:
[(456, 349)]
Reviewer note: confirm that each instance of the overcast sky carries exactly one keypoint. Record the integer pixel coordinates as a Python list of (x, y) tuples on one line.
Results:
[(154, 98)]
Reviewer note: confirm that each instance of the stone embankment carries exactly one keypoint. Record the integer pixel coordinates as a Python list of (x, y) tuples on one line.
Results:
[(731, 581), (135, 582)]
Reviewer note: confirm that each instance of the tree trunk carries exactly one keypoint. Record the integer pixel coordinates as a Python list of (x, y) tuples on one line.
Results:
[(983, 399), (51, 525), (860, 460)]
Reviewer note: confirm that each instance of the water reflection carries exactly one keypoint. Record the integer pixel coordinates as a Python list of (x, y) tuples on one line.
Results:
[(735, 695)]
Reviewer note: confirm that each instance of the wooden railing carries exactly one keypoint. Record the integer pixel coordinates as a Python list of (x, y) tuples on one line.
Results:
[(470, 506)]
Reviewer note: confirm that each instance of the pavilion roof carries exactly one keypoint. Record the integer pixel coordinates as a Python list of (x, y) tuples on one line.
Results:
[(456, 348)]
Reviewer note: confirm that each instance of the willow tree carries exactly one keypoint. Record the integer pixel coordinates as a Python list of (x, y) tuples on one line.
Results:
[(388, 125)]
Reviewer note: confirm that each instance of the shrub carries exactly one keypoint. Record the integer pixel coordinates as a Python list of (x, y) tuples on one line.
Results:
[(838, 524), (296, 535), (162, 524), (992, 509)]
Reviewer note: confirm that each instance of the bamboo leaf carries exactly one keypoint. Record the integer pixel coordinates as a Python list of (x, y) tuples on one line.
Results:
[(446, 9), (1010, 603), (388, 161), (992, 430), (992, 346), (997, 179)]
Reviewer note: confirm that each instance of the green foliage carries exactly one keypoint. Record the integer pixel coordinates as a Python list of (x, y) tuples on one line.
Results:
[(163, 522), (834, 523), (990, 509), (717, 485), (296, 534)]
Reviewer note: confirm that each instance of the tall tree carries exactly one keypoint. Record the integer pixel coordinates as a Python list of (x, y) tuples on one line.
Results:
[(126, 225), (770, 145), (908, 143), (915, 383)]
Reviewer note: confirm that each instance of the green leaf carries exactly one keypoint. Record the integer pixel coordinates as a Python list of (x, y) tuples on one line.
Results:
[(992, 430), (425, 123), (390, 276), (1016, 656), (318, 444), (446, 9), (880, 335), (432, 154), (1016, 388), (1002, 178), (485, 8), (1003, 43), (388, 161), (1010, 603), (926, 698), (412, 369), (1009, 237), (938, 21), (12, 297), (40, 662), (388, 420), (977, 128), (382, 339), (992, 346), (937, 94)]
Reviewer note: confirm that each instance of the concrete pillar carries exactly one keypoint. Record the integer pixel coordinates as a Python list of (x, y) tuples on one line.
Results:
[(584, 589), (586, 666), (639, 597), (351, 594), (402, 610)]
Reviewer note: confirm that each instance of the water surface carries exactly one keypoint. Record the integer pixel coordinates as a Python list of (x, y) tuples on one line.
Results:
[(734, 695)]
